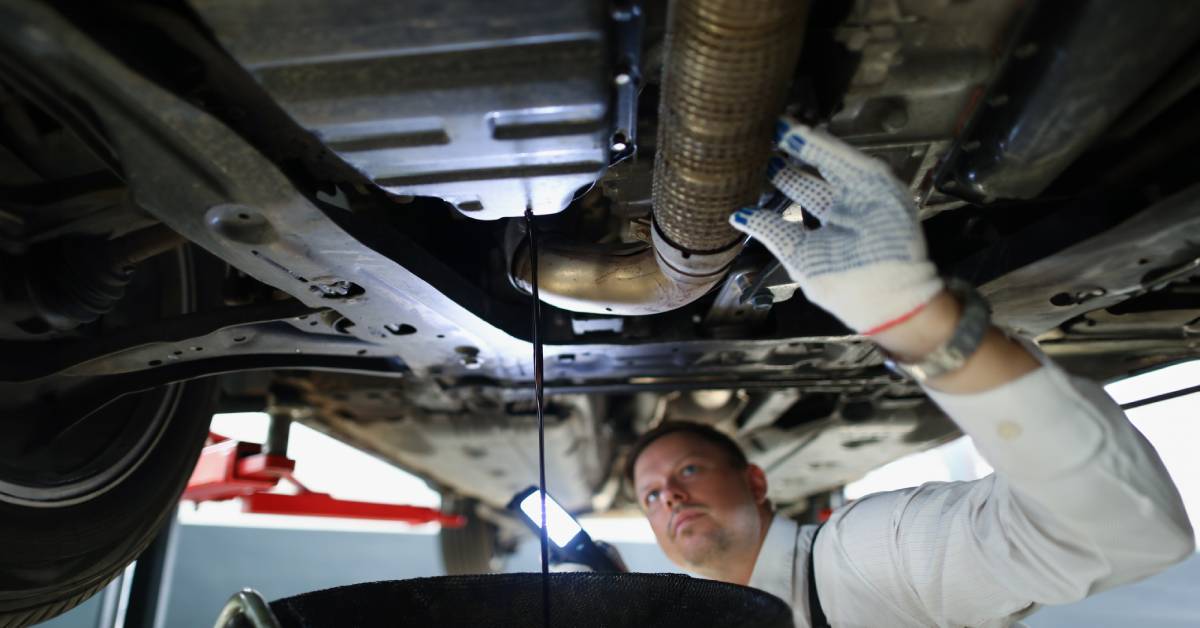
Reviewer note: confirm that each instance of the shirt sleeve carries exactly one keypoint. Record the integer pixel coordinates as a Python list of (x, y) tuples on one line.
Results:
[(1079, 502)]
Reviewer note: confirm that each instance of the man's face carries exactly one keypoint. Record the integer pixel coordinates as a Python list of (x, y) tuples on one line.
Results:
[(701, 507)]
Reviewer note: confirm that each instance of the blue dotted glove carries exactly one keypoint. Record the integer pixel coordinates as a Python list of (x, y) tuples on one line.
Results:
[(866, 264)]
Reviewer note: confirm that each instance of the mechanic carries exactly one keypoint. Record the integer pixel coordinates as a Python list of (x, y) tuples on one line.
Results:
[(1079, 501)]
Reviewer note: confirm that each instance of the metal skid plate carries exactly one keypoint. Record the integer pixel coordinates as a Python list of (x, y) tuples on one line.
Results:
[(492, 106), (1152, 248), (238, 205)]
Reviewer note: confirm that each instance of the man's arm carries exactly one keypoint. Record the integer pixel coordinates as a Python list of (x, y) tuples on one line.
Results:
[(1079, 501)]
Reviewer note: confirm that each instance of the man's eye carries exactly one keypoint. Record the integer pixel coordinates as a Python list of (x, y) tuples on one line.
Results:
[(687, 470), (651, 497)]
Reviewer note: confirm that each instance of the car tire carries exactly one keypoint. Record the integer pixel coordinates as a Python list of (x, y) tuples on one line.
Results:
[(54, 558), (471, 548)]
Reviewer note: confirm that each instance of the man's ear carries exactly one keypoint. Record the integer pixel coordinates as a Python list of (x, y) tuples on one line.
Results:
[(756, 478)]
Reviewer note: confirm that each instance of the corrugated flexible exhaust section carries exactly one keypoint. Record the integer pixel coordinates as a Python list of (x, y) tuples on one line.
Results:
[(728, 67)]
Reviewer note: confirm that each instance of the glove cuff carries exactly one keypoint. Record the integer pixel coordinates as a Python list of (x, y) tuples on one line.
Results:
[(872, 296)]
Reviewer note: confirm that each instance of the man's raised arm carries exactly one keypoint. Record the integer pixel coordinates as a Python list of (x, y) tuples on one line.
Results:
[(1079, 502)]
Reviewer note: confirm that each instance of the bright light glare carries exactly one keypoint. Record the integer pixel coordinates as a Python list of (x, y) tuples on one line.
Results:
[(1156, 382), (248, 427), (563, 526), (1172, 428), (618, 528), (956, 460)]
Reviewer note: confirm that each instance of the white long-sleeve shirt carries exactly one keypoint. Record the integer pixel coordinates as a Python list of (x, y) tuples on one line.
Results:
[(1079, 502)]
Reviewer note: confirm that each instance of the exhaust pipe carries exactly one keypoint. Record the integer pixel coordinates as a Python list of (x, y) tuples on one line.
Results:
[(728, 67)]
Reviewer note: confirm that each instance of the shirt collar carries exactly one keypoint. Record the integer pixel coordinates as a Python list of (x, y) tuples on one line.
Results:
[(775, 568)]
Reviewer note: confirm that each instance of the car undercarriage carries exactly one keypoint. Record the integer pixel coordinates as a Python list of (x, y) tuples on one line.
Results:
[(316, 209)]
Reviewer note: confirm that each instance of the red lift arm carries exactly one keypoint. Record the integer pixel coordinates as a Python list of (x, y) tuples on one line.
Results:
[(228, 469)]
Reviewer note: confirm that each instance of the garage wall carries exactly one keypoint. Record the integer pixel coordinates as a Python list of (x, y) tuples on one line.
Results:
[(213, 562)]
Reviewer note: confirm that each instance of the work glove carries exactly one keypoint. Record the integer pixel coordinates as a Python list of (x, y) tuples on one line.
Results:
[(866, 263)]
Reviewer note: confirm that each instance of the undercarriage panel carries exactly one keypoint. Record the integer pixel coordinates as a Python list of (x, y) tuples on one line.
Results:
[(394, 317), (491, 106)]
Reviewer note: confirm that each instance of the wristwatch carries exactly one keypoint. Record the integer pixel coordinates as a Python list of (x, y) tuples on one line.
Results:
[(968, 335)]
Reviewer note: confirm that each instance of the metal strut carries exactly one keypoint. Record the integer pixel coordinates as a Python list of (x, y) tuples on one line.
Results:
[(538, 395)]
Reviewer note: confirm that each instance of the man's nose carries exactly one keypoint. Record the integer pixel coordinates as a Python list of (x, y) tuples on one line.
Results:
[(675, 495)]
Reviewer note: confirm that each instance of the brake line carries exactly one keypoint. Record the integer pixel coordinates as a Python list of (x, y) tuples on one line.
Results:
[(538, 392)]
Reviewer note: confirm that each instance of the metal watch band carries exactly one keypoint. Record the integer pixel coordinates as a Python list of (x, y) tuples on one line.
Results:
[(968, 335)]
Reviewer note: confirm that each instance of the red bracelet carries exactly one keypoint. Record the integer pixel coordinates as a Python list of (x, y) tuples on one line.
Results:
[(878, 329)]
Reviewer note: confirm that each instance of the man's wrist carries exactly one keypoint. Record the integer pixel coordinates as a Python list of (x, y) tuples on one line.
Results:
[(998, 359), (920, 335)]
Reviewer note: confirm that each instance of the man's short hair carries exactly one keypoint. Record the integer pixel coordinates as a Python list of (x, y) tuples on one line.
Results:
[(737, 458)]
